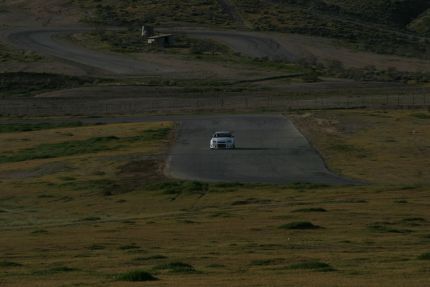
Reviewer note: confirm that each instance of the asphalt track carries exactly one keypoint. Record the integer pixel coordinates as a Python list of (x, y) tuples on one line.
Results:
[(269, 150), (251, 44), (42, 41)]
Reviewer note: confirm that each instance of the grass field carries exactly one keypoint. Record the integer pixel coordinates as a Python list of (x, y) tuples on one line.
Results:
[(9, 54), (109, 218), (383, 147)]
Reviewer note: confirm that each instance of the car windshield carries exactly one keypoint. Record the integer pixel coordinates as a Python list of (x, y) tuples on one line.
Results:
[(223, 135)]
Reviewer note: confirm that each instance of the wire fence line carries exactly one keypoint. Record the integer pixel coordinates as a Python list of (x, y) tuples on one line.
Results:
[(91, 107)]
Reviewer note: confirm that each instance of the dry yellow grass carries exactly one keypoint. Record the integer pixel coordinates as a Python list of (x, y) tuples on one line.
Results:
[(62, 229), (386, 147)]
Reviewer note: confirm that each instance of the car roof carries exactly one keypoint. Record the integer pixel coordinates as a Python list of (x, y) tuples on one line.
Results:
[(223, 132)]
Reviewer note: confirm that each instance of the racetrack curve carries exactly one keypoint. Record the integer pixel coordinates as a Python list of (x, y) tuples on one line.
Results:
[(275, 46), (42, 41)]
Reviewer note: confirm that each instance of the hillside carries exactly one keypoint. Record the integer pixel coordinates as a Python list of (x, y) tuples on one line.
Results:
[(377, 26), (421, 24), (396, 27), (383, 26)]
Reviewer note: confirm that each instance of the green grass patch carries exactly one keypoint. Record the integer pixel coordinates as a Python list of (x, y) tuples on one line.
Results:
[(129, 246), (96, 247), (422, 116), (91, 145), (378, 227), (215, 265), (302, 225), (136, 276), (178, 187), (55, 270), (414, 220), (424, 256), (11, 128), (9, 54), (152, 134), (312, 265), (44, 151), (304, 186), (39, 231), (91, 218), (349, 149), (10, 264), (267, 262)]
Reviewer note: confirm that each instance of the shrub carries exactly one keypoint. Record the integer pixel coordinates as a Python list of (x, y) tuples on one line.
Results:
[(378, 227), (312, 209), (299, 225), (129, 247), (424, 256), (422, 116), (153, 257), (136, 276), (312, 265), (9, 264)]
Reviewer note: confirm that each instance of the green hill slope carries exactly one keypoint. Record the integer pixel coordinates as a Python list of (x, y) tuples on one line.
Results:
[(395, 12), (421, 24), (379, 25)]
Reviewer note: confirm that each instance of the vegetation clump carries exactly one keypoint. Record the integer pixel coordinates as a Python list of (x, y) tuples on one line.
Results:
[(136, 276), (9, 264), (380, 227), (91, 145), (11, 128), (300, 225), (312, 209), (424, 256), (312, 265), (54, 270)]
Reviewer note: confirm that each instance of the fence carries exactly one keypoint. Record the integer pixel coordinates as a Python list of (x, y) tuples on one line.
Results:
[(91, 107)]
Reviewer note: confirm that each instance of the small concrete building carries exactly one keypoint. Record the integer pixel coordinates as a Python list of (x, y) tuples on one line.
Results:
[(162, 40)]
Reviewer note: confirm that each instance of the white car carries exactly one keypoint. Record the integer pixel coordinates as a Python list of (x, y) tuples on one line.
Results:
[(222, 140)]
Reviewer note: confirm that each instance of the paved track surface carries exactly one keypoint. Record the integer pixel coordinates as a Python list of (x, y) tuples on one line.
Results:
[(252, 44), (275, 46), (42, 41), (269, 150)]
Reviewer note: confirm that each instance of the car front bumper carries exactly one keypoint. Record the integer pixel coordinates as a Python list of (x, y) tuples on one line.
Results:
[(222, 146)]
